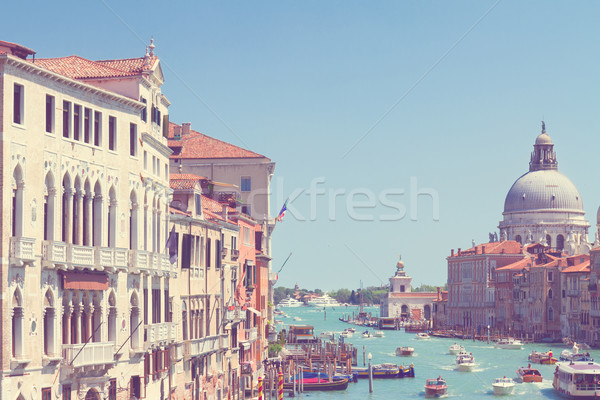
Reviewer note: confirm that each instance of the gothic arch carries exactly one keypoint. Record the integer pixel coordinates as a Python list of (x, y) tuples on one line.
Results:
[(112, 217), (17, 201), (49, 205)]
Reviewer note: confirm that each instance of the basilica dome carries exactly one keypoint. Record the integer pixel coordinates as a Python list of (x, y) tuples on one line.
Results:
[(545, 189)]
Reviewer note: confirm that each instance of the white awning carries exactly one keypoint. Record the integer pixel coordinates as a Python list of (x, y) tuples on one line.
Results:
[(255, 311), (245, 345)]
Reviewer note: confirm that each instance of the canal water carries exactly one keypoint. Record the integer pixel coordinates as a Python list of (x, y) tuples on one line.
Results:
[(431, 359)]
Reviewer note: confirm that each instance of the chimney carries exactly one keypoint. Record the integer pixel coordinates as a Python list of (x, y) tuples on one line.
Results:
[(459, 251), (177, 132), (482, 249), (224, 212), (186, 128), (451, 252)]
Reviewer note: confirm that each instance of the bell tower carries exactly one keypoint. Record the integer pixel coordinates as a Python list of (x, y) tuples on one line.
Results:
[(400, 282), (543, 156)]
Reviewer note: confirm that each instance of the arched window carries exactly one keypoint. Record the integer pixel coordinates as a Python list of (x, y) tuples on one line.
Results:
[(549, 240), (518, 239), (87, 223), (427, 311), (97, 215), (550, 314), (112, 218), (77, 206), (112, 318), (17, 324), (134, 321), (49, 197), (66, 205), (560, 242), (550, 293), (404, 311), (49, 325), (17, 202), (184, 322), (133, 221)]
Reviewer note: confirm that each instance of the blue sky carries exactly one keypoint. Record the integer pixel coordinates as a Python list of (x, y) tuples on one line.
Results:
[(302, 82)]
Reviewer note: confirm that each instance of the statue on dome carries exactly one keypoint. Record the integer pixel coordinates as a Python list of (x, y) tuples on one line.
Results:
[(529, 237), (597, 239), (491, 237), (495, 236), (503, 236), (543, 127)]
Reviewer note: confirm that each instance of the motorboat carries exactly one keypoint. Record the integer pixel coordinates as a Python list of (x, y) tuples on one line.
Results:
[(465, 363), (326, 335), (366, 334), (378, 334), (456, 348), (503, 386), (351, 330), (346, 334), (422, 336), (277, 311), (528, 374), (319, 383), (539, 357), (575, 355), (297, 319), (386, 371), (324, 301), (436, 387), (405, 351), (577, 379), (289, 302), (509, 344)]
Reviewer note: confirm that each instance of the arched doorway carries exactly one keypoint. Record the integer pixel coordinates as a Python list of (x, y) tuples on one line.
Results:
[(404, 311), (427, 311), (92, 394)]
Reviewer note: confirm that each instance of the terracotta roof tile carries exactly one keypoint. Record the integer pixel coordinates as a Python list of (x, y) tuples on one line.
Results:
[(133, 65), (214, 206), (519, 265), (504, 247), (583, 267), (176, 211), (198, 145), (76, 67)]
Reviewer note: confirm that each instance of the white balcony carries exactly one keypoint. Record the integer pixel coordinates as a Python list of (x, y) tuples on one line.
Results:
[(54, 254), (80, 256), (151, 263), (198, 347), (100, 353), (224, 341), (21, 250), (111, 258), (161, 332)]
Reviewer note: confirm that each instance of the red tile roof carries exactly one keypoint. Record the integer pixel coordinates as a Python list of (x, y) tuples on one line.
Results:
[(583, 267), (432, 295), (198, 145), (176, 211), (214, 206), (519, 265), (504, 247), (184, 181), (76, 67)]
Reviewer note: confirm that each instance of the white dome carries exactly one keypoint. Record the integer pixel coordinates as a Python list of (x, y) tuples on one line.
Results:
[(543, 138), (543, 190)]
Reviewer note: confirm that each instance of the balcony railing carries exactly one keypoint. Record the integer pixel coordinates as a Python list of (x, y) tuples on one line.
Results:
[(235, 254), (161, 332), (111, 258), (224, 252), (198, 347), (150, 263), (92, 354), (21, 250), (573, 292), (54, 254)]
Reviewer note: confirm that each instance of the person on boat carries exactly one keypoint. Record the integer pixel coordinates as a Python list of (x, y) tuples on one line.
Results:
[(550, 353)]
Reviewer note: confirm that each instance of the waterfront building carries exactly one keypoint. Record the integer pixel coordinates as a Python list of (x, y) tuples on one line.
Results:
[(594, 327), (471, 282), (544, 206), (85, 193), (575, 296), (440, 310), (508, 278), (402, 302)]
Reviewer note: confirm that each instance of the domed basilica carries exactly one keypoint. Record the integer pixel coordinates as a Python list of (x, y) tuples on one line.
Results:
[(544, 206)]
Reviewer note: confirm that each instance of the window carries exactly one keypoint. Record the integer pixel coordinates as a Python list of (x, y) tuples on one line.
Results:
[(66, 392), (66, 119), (208, 251), (186, 249), (133, 140), (144, 114), (112, 389), (549, 276), (97, 128), (145, 160), (76, 121), (18, 104), (154, 165), (246, 186), (49, 113), (198, 200), (47, 393), (246, 233), (155, 306), (112, 133), (87, 124)]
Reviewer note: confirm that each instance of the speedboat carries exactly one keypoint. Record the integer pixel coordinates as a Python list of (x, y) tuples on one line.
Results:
[(277, 311), (503, 386), (405, 351), (576, 379), (366, 334), (436, 387), (465, 363), (509, 344), (528, 374), (289, 302), (456, 348), (422, 336), (346, 334), (378, 334), (351, 330), (326, 335), (539, 357)]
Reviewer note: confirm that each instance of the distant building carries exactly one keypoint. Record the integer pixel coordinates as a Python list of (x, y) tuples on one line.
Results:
[(402, 302)]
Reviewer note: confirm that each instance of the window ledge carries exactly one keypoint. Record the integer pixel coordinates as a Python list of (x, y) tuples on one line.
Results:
[(17, 363), (19, 126)]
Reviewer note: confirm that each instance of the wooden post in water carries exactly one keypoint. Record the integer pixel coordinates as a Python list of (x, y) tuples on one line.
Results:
[(370, 375), (364, 356)]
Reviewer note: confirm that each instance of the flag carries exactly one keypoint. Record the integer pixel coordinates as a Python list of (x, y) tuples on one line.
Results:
[(172, 246), (282, 212)]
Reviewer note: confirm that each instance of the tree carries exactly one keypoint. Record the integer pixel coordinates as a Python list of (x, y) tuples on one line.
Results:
[(353, 297)]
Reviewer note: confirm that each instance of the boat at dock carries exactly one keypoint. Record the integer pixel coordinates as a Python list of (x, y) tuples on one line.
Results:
[(321, 384), (509, 344), (545, 358), (436, 387), (386, 371), (528, 374), (456, 348), (577, 379), (503, 386), (405, 351)]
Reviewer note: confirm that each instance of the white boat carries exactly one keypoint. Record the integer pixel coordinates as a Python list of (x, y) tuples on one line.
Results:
[(509, 344), (297, 319), (503, 386), (378, 334), (346, 334), (456, 348), (422, 336), (577, 379), (324, 301), (465, 363), (289, 302), (366, 334), (405, 351), (326, 335)]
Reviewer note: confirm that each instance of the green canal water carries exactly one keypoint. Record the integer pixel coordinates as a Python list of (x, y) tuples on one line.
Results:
[(431, 359)]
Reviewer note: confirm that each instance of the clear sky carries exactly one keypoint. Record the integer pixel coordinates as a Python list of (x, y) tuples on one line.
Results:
[(448, 94)]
